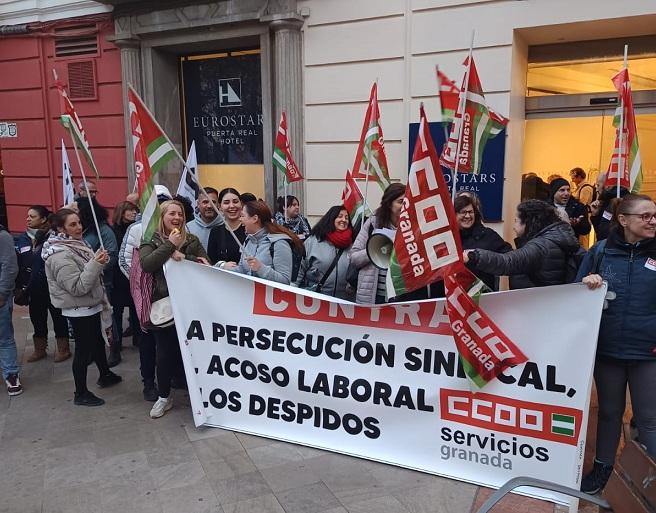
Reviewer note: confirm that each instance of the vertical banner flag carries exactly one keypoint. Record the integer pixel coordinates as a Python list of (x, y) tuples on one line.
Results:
[(353, 200), (282, 154), (427, 248), (448, 95), (474, 123), (631, 173), (371, 149), (67, 178), (151, 151), (70, 119), (188, 186)]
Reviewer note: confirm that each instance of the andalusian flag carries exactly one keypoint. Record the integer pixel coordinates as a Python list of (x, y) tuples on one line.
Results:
[(370, 159), (448, 95), (631, 174), (282, 154), (474, 123), (71, 120), (353, 200), (563, 424), (152, 151)]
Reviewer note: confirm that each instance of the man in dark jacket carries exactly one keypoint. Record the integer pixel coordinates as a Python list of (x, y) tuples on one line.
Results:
[(570, 209), (8, 272)]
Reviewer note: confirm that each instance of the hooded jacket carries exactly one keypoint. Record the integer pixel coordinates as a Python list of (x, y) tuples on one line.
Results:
[(539, 262), (628, 323), (201, 229), (278, 269), (318, 257)]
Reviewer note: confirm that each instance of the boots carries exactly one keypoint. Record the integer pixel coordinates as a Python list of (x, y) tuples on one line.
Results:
[(40, 344), (114, 354), (63, 350)]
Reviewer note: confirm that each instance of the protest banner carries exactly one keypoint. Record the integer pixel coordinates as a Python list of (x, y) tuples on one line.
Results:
[(384, 382)]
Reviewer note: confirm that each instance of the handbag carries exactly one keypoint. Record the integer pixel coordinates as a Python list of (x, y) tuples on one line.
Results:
[(319, 286), (161, 313)]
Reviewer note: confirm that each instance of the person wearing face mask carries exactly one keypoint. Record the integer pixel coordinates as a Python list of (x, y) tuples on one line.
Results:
[(207, 217), (544, 243), (626, 349), (569, 208), (294, 221), (170, 241), (221, 245), (74, 274), (326, 261), (371, 279), (268, 248), (474, 235)]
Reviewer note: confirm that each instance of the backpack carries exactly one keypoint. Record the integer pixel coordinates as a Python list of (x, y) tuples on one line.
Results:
[(297, 258)]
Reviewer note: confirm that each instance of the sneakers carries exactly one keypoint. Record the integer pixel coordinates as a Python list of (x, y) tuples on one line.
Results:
[(597, 479), (162, 405), (87, 399), (150, 392), (14, 386), (108, 380)]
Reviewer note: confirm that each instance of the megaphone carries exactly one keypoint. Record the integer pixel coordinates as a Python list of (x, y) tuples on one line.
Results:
[(379, 247)]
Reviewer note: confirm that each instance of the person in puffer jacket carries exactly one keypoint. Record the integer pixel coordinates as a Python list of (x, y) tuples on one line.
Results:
[(544, 244), (626, 350), (261, 234), (327, 250), (74, 274)]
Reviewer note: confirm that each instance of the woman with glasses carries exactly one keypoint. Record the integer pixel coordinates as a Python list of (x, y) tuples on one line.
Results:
[(626, 350), (476, 236)]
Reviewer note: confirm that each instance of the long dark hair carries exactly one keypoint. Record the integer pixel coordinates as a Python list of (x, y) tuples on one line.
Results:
[(384, 211), (536, 215), (263, 212), (228, 190), (280, 202), (86, 217), (326, 224)]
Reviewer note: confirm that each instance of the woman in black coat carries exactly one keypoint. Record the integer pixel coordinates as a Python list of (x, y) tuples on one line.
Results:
[(474, 235), (544, 244)]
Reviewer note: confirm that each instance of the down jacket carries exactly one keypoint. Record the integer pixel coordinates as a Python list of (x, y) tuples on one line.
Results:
[(629, 323), (482, 237), (279, 268), (541, 261), (157, 251), (318, 257), (368, 272)]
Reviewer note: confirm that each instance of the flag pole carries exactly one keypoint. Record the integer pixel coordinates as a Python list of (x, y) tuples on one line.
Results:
[(184, 164), (366, 169), (461, 107), (86, 186), (620, 152), (284, 192)]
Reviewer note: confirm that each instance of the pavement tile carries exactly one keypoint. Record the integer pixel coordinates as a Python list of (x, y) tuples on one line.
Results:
[(223, 444), (441, 496), (290, 475), (228, 466), (386, 504), (265, 504), (307, 499), (196, 498), (252, 441), (244, 487), (73, 499), (177, 475), (512, 503), (274, 454)]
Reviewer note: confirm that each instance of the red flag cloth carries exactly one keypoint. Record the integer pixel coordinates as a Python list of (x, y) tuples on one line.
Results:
[(282, 154), (449, 95), (353, 199)]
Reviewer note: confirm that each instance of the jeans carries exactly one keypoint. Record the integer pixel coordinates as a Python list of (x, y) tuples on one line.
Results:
[(39, 307), (89, 346), (611, 377), (8, 357)]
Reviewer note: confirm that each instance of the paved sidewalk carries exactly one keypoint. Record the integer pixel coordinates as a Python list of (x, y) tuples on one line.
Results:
[(55, 457)]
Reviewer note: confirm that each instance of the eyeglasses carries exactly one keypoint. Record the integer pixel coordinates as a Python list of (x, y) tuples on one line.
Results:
[(464, 213), (645, 218)]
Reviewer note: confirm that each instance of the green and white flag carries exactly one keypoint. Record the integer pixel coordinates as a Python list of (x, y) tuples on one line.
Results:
[(563, 424)]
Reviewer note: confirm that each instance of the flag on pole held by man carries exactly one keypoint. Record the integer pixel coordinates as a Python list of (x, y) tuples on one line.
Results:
[(151, 152), (353, 200), (448, 95), (631, 172), (67, 177), (427, 248), (282, 154), (189, 186), (70, 119), (370, 159), (474, 123)]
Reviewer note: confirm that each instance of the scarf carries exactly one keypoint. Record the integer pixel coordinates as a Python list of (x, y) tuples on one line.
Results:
[(298, 224), (60, 242), (341, 240)]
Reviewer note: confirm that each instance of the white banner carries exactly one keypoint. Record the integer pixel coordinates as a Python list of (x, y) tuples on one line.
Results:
[(384, 382)]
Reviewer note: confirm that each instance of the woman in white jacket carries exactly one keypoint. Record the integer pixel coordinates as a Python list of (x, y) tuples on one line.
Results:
[(74, 275)]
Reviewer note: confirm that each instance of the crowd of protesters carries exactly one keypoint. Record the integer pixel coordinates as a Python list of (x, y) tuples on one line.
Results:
[(83, 272)]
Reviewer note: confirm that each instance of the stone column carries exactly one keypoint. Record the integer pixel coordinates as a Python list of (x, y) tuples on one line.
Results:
[(131, 74), (288, 94)]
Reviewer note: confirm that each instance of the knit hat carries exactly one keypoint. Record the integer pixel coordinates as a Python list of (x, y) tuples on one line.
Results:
[(555, 185)]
